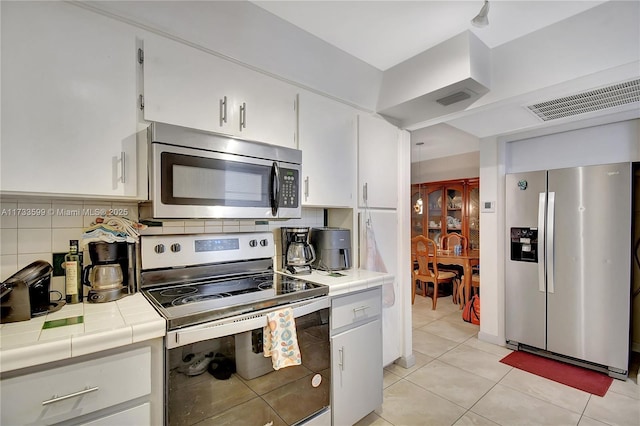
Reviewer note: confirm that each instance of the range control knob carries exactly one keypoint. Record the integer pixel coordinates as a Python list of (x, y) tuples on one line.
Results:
[(175, 247), (159, 248), (264, 242), (253, 243)]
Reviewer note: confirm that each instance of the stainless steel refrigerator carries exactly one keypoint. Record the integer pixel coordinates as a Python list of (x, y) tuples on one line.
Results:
[(568, 264)]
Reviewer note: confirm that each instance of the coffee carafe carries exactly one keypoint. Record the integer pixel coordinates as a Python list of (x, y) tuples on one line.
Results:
[(106, 274), (298, 254)]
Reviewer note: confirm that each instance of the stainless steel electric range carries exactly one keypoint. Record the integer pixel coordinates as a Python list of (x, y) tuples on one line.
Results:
[(215, 291)]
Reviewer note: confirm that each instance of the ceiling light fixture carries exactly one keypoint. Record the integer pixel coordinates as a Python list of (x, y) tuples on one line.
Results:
[(482, 18)]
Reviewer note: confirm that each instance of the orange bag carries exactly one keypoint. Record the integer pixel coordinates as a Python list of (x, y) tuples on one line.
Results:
[(471, 310)]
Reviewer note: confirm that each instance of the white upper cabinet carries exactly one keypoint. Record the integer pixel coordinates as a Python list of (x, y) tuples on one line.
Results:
[(190, 87), (328, 143), (377, 163), (69, 117)]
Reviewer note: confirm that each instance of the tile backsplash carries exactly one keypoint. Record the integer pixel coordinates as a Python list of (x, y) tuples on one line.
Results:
[(33, 230)]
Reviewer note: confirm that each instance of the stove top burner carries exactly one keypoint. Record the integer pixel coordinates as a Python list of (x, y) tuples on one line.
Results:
[(197, 298), (178, 291), (265, 285)]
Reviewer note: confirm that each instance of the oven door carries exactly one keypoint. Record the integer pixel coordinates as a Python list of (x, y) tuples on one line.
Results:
[(218, 372), (194, 183)]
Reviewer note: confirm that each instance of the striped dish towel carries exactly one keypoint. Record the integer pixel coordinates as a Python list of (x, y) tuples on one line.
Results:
[(280, 339)]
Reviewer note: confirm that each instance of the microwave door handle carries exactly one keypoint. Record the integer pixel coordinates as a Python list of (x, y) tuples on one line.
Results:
[(275, 188)]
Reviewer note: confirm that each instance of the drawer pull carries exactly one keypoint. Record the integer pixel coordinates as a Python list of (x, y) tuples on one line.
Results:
[(360, 308), (71, 395)]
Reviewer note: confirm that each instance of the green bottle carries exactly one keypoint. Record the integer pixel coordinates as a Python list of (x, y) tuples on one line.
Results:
[(73, 273)]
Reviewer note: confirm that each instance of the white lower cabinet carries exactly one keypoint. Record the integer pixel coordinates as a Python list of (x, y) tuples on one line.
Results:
[(68, 392), (356, 356), (136, 416)]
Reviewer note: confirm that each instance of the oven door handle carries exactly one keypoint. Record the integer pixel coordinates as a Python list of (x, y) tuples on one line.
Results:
[(274, 191), (238, 324)]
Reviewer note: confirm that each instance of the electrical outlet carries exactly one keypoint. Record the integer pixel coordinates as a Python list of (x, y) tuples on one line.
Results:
[(58, 260)]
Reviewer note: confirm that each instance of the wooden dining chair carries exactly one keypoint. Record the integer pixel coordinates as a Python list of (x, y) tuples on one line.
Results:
[(448, 242), (426, 253), (475, 285)]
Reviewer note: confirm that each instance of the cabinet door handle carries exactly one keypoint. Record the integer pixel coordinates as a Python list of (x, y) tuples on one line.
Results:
[(223, 111), (71, 395), (123, 178), (306, 187), (341, 356), (365, 190), (360, 308), (243, 116)]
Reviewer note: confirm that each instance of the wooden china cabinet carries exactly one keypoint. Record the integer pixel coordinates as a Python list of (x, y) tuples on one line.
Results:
[(447, 206)]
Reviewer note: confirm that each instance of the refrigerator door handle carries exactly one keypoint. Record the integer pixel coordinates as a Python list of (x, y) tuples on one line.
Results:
[(542, 201), (550, 241)]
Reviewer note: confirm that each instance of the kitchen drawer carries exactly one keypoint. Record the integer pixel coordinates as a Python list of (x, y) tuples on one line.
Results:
[(73, 390), (355, 308), (136, 416)]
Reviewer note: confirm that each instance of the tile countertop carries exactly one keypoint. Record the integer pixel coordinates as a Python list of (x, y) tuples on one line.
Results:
[(104, 326), (351, 280), (123, 322)]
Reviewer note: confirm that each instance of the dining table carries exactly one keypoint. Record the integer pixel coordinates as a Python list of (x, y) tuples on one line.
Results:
[(468, 258)]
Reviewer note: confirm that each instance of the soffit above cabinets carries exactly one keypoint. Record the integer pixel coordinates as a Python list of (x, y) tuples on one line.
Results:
[(535, 46), (446, 78), (513, 115)]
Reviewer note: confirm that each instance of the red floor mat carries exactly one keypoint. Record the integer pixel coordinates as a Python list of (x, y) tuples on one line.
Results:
[(577, 377)]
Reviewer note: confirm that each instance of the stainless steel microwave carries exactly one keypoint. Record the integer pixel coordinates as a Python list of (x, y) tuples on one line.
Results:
[(195, 174)]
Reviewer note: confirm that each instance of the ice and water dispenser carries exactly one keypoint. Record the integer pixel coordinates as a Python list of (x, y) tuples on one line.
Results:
[(524, 244)]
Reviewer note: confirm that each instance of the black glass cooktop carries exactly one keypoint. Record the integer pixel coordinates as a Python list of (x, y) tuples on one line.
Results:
[(195, 302)]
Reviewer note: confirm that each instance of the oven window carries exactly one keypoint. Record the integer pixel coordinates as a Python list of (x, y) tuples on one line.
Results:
[(228, 380), (193, 180)]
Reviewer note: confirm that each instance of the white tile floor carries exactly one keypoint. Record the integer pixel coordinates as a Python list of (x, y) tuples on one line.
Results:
[(458, 380)]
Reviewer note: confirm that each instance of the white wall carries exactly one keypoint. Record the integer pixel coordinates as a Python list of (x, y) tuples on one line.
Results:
[(607, 143), (492, 250), (447, 168)]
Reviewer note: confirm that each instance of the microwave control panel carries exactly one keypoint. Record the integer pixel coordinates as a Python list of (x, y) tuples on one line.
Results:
[(289, 188)]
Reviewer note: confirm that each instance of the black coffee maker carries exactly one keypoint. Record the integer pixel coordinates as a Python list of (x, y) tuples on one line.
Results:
[(111, 274)]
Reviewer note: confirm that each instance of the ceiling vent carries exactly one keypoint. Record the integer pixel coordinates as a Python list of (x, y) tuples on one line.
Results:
[(455, 97), (593, 100)]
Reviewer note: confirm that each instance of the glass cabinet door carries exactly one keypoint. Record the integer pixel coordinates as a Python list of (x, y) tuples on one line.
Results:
[(474, 217), (454, 216), (447, 207), (418, 211), (435, 209)]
